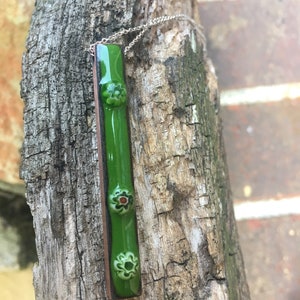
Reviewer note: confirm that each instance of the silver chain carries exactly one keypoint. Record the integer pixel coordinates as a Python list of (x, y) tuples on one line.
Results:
[(143, 28)]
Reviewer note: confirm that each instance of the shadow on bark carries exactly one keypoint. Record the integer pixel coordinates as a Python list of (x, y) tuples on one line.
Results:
[(15, 212)]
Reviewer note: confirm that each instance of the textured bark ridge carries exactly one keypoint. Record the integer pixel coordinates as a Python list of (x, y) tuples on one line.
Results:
[(187, 236), (188, 239)]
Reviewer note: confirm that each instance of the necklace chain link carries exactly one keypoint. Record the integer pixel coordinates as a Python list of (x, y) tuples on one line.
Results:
[(143, 28)]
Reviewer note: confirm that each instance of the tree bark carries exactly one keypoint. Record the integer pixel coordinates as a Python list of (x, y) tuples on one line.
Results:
[(187, 236)]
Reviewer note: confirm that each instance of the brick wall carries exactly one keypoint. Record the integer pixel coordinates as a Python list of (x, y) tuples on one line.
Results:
[(15, 17), (255, 48)]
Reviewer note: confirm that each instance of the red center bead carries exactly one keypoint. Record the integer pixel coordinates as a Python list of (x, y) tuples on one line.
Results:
[(123, 200)]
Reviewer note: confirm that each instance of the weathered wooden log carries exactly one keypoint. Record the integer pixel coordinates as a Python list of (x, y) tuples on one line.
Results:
[(187, 236)]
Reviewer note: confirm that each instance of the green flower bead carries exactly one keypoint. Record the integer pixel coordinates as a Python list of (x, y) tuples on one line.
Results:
[(114, 94), (126, 265), (121, 201)]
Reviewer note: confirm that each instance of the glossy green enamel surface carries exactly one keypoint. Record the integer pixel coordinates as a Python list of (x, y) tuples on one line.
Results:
[(124, 260)]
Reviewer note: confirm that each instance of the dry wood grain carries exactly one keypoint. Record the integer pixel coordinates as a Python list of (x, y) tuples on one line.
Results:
[(187, 235)]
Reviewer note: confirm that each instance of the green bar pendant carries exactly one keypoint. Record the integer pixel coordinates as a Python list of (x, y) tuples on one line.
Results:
[(124, 253)]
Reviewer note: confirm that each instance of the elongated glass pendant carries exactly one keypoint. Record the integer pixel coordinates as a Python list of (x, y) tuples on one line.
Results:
[(124, 253)]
